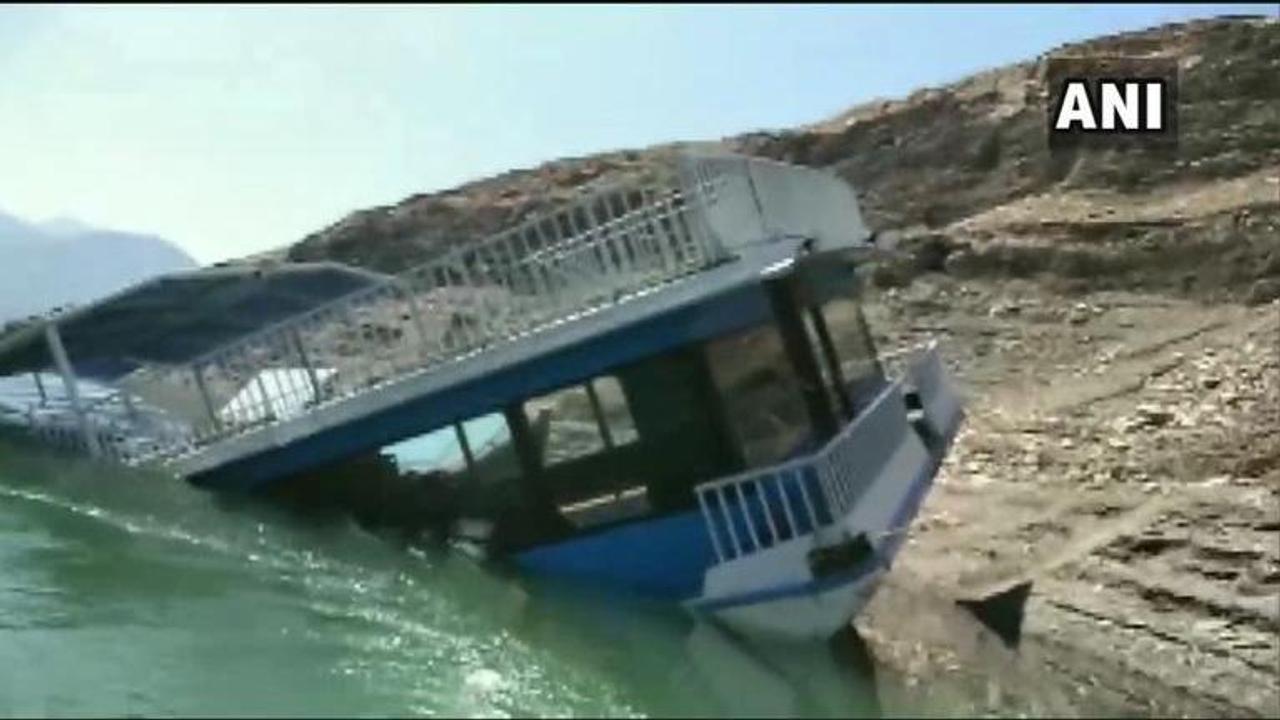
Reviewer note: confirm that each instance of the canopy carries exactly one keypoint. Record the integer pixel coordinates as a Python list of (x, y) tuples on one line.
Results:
[(176, 318)]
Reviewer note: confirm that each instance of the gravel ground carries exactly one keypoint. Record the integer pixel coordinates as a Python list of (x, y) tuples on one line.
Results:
[(1120, 454)]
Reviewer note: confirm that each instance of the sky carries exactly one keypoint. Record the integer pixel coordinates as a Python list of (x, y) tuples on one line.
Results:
[(233, 130)]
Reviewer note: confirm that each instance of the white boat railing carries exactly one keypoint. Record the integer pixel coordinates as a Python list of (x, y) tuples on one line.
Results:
[(125, 429), (608, 245), (760, 508), (539, 273)]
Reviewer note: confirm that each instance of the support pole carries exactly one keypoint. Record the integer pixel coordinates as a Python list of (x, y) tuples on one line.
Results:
[(204, 395), (59, 353), (466, 448), (790, 323), (312, 378), (833, 360), (548, 520), (268, 410), (44, 396), (598, 412)]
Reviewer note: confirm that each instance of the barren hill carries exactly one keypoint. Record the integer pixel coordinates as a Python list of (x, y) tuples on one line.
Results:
[(944, 155)]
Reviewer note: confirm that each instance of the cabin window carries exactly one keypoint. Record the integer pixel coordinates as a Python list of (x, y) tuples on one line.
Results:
[(582, 420), (761, 394), (614, 409), (478, 448), (854, 347), (589, 452), (572, 431), (827, 369)]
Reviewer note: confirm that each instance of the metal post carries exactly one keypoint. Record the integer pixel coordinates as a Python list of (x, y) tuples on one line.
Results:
[(59, 353), (306, 365), (768, 513), (204, 395), (268, 412), (598, 411), (722, 498), (828, 348), (44, 397), (466, 448), (711, 529), (790, 325)]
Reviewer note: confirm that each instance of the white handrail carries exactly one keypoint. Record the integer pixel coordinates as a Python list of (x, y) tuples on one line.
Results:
[(834, 470)]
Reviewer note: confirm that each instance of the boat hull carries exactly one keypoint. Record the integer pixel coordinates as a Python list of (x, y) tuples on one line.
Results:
[(749, 563), (815, 612)]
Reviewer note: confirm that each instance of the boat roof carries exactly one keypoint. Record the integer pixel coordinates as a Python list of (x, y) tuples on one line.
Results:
[(174, 318)]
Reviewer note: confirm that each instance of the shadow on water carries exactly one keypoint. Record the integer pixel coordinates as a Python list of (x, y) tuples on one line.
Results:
[(128, 593)]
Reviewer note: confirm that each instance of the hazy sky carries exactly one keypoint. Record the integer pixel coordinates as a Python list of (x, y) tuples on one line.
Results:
[(235, 130)]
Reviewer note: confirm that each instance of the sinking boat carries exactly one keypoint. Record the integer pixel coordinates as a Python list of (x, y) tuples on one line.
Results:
[(666, 387)]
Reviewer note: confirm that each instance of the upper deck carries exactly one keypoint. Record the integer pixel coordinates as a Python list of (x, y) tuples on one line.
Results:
[(617, 257)]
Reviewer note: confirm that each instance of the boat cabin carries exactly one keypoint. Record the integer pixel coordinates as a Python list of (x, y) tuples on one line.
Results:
[(608, 437)]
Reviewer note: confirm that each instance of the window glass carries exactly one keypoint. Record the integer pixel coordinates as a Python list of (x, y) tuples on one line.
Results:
[(441, 451), (851, 338), (437, 450), (575, 427), (761, 393), (829, 383), (570, 424), (613, 405)]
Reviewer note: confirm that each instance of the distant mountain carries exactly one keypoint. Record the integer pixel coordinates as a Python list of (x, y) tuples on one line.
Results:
[(64, 227), (63, 261)]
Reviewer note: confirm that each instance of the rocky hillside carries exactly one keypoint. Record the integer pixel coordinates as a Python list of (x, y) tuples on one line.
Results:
[(935, 167), (946, 153)]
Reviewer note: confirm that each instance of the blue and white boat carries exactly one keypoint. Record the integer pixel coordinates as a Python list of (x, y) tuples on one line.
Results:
[(668, 388)]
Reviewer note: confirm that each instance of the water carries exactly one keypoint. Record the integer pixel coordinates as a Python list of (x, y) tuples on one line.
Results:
[(124, 593)]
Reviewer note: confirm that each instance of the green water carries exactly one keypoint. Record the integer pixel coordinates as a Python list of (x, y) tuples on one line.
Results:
[(126, 594)]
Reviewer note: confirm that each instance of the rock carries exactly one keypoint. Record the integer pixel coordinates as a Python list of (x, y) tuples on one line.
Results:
[(1004, 308), (1153, 416), (1263, 291)]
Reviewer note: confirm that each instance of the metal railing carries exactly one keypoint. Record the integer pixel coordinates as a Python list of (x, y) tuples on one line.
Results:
[(607, 245), (541, 272), (761, 508), (125, 428)]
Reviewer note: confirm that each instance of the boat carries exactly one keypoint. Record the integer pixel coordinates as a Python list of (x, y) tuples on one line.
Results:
[(665, 386)]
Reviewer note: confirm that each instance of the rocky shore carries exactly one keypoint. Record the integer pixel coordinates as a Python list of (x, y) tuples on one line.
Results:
[(1128, 467)]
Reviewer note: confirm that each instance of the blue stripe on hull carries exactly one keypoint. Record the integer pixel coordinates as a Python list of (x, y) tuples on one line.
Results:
[(664, 557)]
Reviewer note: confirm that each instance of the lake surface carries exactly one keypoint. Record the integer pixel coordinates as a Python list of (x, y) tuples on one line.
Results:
[(123, 593)]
